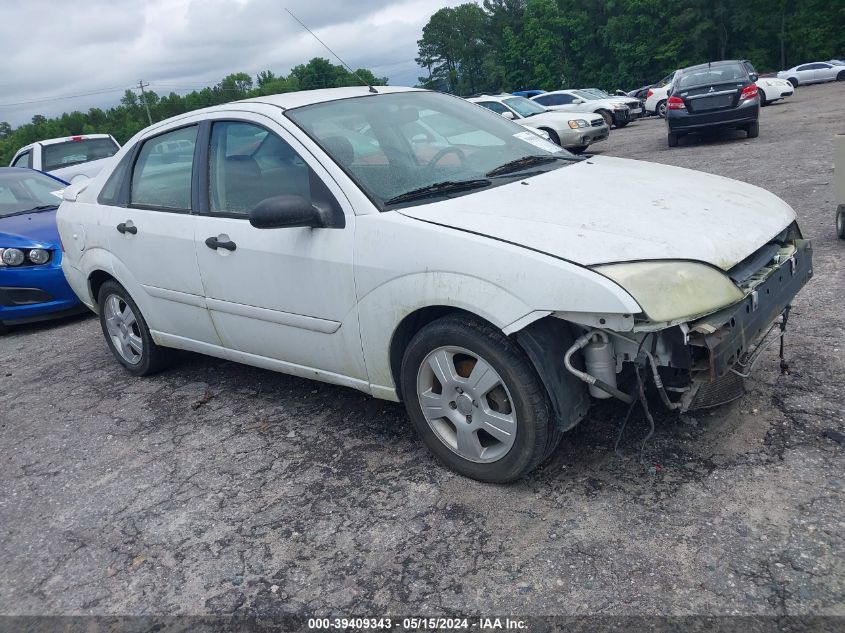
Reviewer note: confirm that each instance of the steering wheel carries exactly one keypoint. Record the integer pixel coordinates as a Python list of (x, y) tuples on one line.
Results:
[(443, 152)]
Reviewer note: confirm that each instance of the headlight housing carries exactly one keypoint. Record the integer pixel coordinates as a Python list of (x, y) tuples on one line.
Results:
[(17, 256), (576, 123), (674, 290), (38, 256)]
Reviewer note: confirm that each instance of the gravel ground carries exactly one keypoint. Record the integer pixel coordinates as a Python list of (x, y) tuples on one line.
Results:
[(217, 488)]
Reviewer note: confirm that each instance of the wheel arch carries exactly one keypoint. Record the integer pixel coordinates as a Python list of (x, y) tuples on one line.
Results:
[(569, 396), (96, 279)]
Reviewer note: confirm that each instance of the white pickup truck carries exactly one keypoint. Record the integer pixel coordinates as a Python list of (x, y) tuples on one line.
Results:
[(70, 157)]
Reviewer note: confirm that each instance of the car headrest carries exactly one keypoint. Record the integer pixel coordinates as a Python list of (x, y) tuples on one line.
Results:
[(340, 149)]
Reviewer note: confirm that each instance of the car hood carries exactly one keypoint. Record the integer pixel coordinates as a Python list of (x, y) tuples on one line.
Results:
[(30, 230), (612, 210)]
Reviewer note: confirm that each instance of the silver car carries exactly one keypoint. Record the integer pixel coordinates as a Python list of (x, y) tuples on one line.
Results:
[(813, 73)]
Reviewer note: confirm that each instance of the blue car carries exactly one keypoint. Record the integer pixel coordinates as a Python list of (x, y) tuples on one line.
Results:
[(32, 285)]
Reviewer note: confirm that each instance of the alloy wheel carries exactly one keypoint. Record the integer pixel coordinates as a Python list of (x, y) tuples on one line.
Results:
[(466, 404), (123, 329)]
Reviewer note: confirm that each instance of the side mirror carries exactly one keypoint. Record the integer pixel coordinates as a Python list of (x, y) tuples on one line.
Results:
[(508, 115), (754, 76), (282, 212)]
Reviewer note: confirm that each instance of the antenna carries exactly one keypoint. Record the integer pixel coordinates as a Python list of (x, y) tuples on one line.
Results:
[(302, 24)]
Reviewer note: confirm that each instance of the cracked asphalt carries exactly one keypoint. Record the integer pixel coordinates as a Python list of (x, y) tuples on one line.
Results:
[(216, 488)]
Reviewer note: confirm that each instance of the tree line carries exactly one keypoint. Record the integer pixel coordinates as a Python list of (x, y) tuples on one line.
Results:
[(551, 44), (130, 116)]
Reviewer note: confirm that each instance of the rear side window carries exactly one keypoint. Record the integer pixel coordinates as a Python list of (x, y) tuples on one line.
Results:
[(23, 160), (110, 193), (58, 155), (161, 178)]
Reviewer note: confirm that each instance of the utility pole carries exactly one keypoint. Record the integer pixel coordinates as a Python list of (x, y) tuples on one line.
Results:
[(142, 85)]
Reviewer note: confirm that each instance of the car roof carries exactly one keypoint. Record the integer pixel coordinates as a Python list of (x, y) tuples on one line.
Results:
[(287, 100), (499, 97), (723, 62)]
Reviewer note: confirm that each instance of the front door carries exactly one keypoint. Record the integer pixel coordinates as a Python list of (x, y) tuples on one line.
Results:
[(285, 294)]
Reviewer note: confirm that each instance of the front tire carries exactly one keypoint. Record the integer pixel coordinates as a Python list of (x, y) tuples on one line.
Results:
[(608, 118), (793, 81), (127, 333), (840, 222), (552, 135), (753, 130), (476, 400), (841, 76), (578, 150)]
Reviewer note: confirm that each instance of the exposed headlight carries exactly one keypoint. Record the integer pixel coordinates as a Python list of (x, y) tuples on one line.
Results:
[(11, 256), (38, 256), (672, 290), (576, 123)]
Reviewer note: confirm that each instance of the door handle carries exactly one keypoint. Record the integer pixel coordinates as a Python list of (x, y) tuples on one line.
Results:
[(214, 243), (123, 228)]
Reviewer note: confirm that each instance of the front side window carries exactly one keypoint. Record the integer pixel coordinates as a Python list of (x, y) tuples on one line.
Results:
[(394, 144), (161, 178), (23, 160), (248, 164), (74, 152)]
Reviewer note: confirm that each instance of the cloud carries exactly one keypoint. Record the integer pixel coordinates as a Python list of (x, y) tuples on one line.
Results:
[(53, 49)]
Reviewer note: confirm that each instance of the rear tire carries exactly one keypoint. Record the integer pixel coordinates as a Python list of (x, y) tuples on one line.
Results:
[(127, 333), (763, 100), (3, 329), (672, 138), (840, 222), (660, 110), (511, 395), (753, 130)]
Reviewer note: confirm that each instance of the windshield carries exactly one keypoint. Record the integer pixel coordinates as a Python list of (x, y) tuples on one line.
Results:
[(394, 144), (586, 96), (21, 190), (598, 92), (523, 106), (68, 153), (714, 75)]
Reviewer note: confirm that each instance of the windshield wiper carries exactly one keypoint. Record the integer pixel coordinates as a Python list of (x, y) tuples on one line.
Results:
[(437, 188), (40, 207), (528, 161)]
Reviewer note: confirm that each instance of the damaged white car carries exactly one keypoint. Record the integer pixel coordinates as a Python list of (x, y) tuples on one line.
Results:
[(484, 276)]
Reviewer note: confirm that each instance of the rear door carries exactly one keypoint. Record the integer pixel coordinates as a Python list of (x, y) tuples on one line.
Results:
[(824, 72), (151, 234)]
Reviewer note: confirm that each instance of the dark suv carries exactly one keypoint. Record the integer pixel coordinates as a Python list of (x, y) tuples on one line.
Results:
[(713, 95)]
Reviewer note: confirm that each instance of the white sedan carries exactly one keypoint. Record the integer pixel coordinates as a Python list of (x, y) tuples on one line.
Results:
[(816, 72), (575, 132), (771, 89), (486, 277)]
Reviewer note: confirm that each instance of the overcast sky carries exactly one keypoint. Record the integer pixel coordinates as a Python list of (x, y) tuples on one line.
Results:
[(58, 48)]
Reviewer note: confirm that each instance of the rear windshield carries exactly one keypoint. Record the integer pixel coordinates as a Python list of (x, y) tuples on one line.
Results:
[(717, 74), (74, 152)]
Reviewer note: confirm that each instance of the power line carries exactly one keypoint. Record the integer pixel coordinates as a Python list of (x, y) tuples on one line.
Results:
[(59, 98)]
